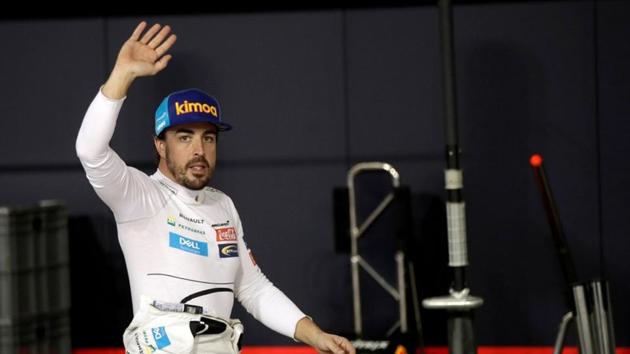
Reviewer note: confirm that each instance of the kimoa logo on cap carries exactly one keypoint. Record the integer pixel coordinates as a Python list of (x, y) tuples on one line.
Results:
[(188, 107)]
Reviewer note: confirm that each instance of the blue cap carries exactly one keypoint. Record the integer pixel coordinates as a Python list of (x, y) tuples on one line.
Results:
[(188, 106)]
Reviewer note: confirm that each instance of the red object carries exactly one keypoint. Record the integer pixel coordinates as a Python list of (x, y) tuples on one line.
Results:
[(536, 160), (308, 350)]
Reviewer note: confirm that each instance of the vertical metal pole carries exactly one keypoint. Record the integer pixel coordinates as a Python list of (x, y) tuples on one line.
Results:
[(461, 338), (456, 214), (582, 320), (354, 259), (603, 335), (402, 303)]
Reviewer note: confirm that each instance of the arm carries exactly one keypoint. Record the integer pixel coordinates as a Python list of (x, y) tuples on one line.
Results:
[(260, 297), (275, 310), (117, 184), (137, 57)]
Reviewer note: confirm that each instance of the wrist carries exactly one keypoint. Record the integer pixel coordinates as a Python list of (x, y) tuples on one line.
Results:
[(118, 83), (307, 331)]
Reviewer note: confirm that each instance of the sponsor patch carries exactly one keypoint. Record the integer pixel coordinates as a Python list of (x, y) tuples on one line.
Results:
[(161, 339), (187, 244), (190, 219), (189, 107), (221, 224), (191, 229), (228, 250), (226, 234), (371, 345)]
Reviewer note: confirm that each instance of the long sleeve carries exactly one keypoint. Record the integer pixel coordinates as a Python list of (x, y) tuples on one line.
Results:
[(128, 192), (97, 128), (260, 297)]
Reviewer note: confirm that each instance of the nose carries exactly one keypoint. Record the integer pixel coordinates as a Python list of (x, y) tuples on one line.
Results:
[(198, 147)]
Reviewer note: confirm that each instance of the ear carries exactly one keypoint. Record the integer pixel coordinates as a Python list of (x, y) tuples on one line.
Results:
[(160, 147)]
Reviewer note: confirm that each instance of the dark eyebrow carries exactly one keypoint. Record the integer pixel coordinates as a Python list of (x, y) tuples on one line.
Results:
[(188, 131)]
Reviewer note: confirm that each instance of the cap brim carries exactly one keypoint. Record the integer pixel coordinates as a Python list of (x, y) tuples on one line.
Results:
[(223, 127)]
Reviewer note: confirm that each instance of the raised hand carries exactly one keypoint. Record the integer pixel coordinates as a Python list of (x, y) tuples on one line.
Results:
[(141, 55), (145, 55)]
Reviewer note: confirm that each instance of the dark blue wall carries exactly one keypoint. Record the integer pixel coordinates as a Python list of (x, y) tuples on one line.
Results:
[(310, 93)]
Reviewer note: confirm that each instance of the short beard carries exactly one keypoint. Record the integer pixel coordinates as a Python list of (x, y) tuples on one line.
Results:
[(180, 173)]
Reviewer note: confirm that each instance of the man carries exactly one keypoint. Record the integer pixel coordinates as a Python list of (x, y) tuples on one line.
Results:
[(183, 242)]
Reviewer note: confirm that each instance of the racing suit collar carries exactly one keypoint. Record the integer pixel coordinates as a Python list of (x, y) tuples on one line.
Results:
[(190, 196)]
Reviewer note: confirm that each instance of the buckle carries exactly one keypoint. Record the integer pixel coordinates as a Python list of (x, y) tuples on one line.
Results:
[(193, 309)]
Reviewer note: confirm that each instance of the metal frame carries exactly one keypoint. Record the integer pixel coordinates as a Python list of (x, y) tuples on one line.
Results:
[(357, 262), (593, 317), (562, 331)]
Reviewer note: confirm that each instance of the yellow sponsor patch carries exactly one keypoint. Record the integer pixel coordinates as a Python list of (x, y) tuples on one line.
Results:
[(189, 107)]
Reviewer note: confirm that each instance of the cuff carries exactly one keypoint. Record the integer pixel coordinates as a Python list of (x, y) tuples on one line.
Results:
[(102, 96)]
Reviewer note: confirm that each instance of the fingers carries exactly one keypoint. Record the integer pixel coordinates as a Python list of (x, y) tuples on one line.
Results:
[(156, 38), (166, 45), (150, 33), (344, 344), (160, 37), (136, 33), (338, 345)]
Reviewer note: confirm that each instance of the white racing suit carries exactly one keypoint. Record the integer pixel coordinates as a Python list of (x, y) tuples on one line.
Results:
[(180, 245), (169, 328)]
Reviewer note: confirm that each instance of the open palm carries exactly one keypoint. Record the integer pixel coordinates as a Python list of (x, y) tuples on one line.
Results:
[(145, 55)]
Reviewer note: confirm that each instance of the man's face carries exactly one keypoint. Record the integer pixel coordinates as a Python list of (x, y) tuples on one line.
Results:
[(189, 151)]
